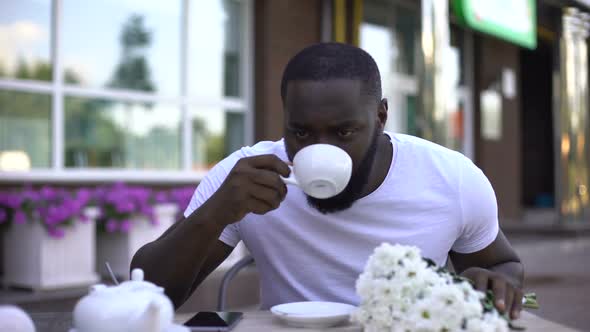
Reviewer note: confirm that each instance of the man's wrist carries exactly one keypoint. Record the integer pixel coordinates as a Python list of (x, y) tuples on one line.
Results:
[(213, 217), (511, 271)]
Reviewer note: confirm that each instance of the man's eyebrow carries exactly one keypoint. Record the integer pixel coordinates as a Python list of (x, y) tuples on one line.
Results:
[(295, 125), (335, 124), (345, 123)]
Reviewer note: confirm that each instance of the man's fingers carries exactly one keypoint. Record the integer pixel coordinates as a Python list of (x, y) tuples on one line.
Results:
[(509, 298), (481, 282), (270, 162), (499, 289), (516, 304), (269, 196), (258, 206), (270, 179)]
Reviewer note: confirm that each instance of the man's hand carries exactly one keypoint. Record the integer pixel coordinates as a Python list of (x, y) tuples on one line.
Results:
[(507, 297), (253, 185)]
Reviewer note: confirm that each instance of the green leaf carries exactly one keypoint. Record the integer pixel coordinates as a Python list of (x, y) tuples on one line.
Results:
[(530, 301)]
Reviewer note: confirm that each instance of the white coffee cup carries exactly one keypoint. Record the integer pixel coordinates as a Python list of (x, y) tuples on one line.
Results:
[(320, 170)]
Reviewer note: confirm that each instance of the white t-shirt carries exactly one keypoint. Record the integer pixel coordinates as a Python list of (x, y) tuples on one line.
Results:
[(432, 197)]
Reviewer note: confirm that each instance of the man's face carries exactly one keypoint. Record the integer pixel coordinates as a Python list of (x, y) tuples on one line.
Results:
[(333, 112)]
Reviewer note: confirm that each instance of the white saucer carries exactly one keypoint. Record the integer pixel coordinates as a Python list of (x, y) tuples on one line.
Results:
[(313, 314)]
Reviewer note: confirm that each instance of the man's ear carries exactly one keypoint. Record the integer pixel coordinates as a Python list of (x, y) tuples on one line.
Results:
[(382, 113)]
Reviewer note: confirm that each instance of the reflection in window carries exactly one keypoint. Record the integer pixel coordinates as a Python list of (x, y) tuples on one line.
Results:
[(121, 45), (25, 122), (401, 25), (112, 134), (390, 33), (216, 134), (25, 39), (214, 48), (138, 49)]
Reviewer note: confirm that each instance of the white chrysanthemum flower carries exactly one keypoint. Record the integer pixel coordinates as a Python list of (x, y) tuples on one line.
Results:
[(399, 292), (387, 258), (444, 308), (490, 322)]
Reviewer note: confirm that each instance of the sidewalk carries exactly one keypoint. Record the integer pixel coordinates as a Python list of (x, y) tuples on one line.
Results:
[(558, 270)]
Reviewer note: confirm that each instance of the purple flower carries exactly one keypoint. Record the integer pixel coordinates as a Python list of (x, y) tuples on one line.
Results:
[(20, 217), (125, 226), (57, 233), (111, 225), (161, 197), (83, 218), (84, 195), (124, 207), (30, 194), (154, 221), (48, 193), (48, 204), (146, 210), (10, 200)]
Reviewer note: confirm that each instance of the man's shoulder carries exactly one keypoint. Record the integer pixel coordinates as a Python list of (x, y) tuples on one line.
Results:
[(263, 147), (420, 146), (421, 155)]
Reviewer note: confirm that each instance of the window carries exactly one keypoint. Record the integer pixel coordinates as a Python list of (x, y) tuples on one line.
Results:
[(25, 130), (114, 87), (390, 32), (25, 29)]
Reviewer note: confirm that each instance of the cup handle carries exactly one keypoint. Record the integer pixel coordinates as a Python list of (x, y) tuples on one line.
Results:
[(291, 179)]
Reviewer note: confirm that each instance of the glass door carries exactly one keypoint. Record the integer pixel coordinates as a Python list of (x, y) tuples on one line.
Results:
[(389, 31)]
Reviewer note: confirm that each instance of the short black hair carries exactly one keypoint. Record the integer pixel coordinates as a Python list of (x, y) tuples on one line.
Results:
[(328, 61)]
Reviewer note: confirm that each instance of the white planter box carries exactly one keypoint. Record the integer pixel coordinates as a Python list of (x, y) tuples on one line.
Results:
[(34, 260), (118, 248)]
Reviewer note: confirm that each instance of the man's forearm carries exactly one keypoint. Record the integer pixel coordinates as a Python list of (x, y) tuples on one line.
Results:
[(513, 271), (174, 260)]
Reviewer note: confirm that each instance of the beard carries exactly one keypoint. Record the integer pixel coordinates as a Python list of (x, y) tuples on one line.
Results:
[(354, 188)]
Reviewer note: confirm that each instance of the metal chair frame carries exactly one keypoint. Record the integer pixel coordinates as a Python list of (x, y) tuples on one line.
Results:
[(227, 278)]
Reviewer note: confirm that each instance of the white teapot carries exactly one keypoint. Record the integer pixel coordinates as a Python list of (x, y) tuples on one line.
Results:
[(134, 305), (14, 319)]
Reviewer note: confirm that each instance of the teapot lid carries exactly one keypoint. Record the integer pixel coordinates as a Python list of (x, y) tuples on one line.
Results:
[(137, 283)]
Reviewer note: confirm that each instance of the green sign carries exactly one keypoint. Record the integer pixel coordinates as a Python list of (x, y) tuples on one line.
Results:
[(512, 20)]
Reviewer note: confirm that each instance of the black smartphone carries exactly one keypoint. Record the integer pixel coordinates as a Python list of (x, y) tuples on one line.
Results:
[(214, 321)]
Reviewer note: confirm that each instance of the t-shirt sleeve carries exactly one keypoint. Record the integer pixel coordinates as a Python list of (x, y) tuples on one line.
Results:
[(206, 188), (479, 210)]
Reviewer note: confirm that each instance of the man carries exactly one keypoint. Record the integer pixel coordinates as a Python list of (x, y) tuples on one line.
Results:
[(403, 190)]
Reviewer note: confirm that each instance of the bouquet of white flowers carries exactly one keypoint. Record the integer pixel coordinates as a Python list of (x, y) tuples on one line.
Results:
[(401, 291)]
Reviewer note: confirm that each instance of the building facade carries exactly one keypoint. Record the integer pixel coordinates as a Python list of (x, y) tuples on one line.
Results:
[(161, 92), (504, 82)]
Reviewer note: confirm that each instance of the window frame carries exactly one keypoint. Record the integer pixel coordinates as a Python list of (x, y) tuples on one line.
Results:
[(59, 90)]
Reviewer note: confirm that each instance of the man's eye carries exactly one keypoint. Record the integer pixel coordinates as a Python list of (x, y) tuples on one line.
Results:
[(345, 132), (301, 134)]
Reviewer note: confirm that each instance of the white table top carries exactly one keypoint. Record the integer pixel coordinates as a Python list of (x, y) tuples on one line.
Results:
[(255, 321)]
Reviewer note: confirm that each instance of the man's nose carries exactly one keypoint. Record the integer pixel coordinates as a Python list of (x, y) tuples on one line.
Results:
[(327, 139)]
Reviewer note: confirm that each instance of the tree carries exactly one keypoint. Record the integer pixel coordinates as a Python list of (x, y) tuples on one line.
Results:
[(133, 71), (22, 70), (42, 71)]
